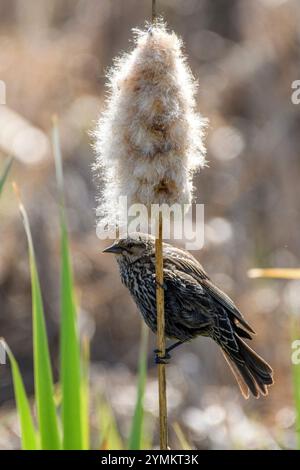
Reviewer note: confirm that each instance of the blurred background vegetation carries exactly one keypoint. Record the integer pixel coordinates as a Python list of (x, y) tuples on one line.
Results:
[(53, 59)]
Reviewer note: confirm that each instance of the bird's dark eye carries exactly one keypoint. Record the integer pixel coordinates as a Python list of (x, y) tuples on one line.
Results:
[(130, 245)]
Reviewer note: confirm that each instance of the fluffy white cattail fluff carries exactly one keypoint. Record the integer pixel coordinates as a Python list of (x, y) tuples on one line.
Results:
[(149, 138)]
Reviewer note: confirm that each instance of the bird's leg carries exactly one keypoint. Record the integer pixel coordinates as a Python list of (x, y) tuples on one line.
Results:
[(167, 356)]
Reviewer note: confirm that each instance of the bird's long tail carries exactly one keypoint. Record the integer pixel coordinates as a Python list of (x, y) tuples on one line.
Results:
[(250, 370)]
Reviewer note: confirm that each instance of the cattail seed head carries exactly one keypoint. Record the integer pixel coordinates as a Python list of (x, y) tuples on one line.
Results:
[(149, 140)]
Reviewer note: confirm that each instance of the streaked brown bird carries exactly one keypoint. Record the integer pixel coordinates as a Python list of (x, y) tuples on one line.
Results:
[(194, 306)]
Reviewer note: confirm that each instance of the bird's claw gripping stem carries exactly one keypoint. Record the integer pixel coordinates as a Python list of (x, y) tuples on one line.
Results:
[(161, 359)]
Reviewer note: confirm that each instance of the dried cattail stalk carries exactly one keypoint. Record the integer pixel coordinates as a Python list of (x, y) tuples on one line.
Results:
[(149, 139)]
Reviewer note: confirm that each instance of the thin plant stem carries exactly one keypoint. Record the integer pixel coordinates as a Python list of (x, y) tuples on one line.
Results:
[(161, 342), (153, 10), (275, 273)]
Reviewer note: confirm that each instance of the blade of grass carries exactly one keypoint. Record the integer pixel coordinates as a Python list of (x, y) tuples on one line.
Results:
[(70, 370), (43, 380), (85, 393), (70, 354), (28, 434), (3, 177), (181, 437), (110, 437), (296, 379), (136, 433)]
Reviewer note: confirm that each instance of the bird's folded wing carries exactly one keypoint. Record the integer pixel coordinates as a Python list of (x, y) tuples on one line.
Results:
[(187, 300), (186, 263), (226, 302)]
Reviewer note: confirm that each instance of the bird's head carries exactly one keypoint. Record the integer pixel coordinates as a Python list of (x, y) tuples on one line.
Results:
[(133, 247)]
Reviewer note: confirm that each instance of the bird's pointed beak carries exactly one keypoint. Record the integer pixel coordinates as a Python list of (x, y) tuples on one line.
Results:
[(115, 249)]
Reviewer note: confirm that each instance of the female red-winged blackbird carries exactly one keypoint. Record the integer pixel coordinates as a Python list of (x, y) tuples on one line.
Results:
[(193, 306)]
